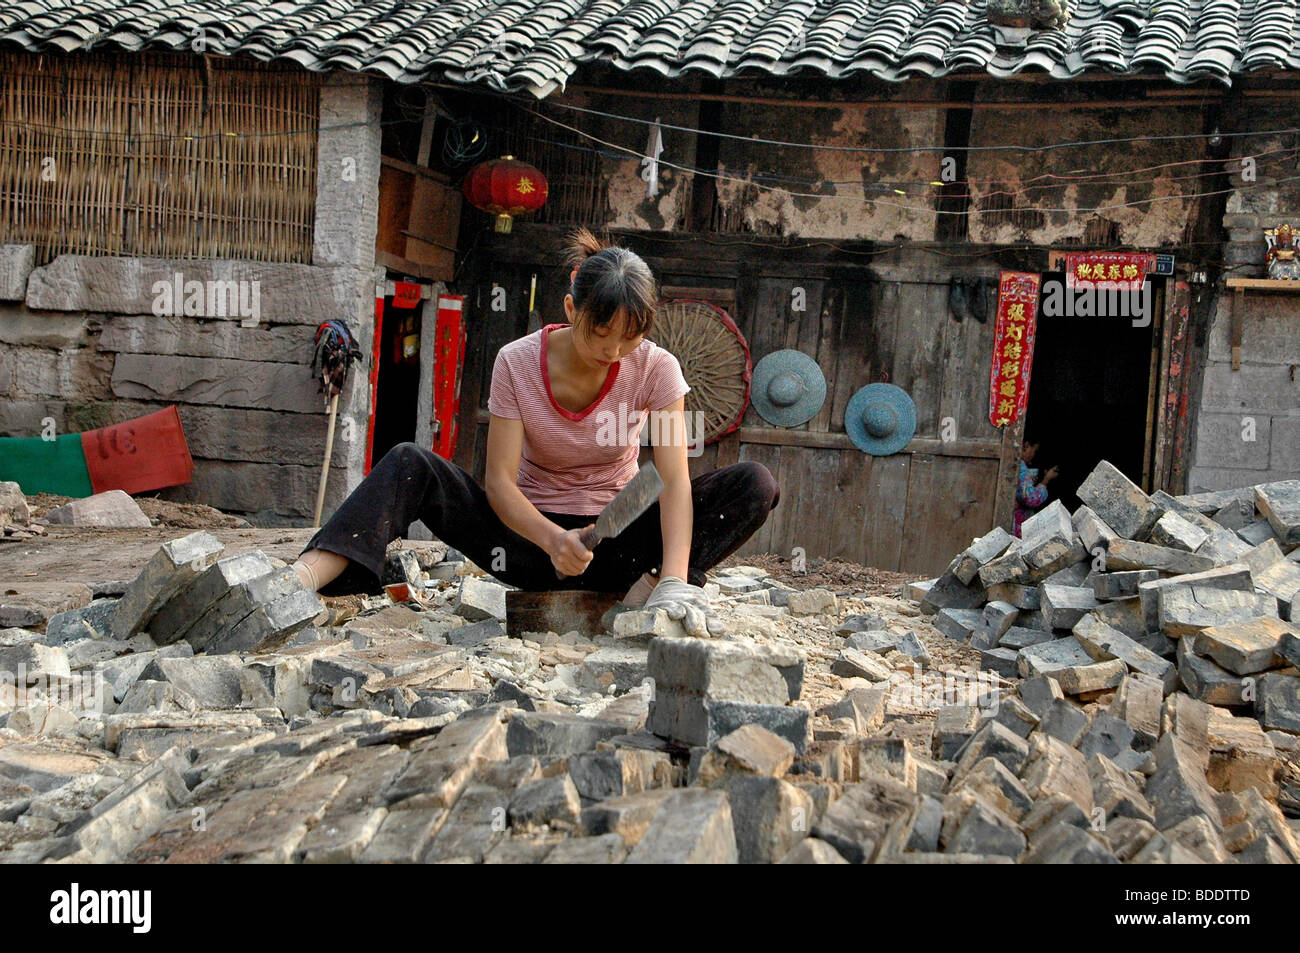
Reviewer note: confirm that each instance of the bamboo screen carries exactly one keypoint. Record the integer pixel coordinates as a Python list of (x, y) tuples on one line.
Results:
[(577, 187), (157, 155)]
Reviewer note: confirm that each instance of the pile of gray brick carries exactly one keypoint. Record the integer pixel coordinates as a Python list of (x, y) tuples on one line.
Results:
[(232, 726), (15, 515), (219, 689), (1130, 611), (1195, 591)]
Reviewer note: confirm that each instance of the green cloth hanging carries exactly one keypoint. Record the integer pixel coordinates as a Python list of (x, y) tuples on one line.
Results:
[(46, 466)]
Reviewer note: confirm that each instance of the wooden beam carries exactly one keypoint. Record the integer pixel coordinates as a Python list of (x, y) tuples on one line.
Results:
[(426, 140), (415, 169), (1291, 286), (726, 295), (812, 440), (1265, 94), (428, 241), (720, 255), (990, 449), (395, 263), (1154, 392), (1004, 498)]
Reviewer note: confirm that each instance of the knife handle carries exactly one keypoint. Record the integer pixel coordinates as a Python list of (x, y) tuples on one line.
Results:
[(588, 538)]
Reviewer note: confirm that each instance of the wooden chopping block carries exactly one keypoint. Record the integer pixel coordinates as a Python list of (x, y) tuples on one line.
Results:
[(558, 611)]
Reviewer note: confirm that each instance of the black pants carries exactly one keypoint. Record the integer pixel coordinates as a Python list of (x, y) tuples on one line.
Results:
[(412, 483)]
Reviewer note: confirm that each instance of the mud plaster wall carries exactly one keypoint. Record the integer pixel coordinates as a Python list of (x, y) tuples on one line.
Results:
[(1262, 398), (628, 205), (1157, 221), (853, 193)]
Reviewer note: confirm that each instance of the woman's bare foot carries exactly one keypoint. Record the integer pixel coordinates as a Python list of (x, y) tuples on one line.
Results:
[(318, 567)]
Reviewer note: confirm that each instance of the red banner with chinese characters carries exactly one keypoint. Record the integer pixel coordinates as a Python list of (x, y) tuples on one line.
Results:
[(1127, 270), (406, 294), (1013, 345), (448, 361)]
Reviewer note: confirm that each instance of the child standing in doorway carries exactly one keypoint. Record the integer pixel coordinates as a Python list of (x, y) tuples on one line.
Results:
[(1031, 493)]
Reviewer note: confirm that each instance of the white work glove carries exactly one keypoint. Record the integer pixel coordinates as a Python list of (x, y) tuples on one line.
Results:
[(686, 604)]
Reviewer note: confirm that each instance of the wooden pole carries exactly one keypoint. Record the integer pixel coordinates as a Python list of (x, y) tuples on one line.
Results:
[(1004, 496), (325, 467), (1155, 384)]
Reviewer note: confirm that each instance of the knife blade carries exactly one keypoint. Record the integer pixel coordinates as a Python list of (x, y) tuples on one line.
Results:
[(637, 496)]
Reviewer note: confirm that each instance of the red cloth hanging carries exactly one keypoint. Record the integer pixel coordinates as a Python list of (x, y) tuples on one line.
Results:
[(146, 453)]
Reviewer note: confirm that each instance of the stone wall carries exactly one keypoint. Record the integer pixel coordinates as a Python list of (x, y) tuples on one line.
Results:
[(1262, 398), (81, 342), (1248, 424)]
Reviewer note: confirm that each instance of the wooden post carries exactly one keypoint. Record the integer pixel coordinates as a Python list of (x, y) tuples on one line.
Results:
[(1235, 325), (325, 467), (1004, 501), (1155, 387)]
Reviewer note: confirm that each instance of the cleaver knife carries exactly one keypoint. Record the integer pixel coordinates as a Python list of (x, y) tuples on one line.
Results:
[(634, 499)]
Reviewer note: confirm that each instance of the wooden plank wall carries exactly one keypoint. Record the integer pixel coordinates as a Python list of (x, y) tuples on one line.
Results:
[(865, 321)]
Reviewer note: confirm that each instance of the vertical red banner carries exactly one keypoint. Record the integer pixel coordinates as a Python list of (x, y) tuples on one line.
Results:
[(1013, 345), (374, 376), (448, 359)]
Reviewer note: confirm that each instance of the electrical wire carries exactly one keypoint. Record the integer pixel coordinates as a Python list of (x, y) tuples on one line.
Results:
[(455, 157), (1056, 180), (751, 180), (465, 141), (912, 149), (722, 177)]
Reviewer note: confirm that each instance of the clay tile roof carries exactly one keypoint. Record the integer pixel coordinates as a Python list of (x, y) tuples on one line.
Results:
[(539, 44)]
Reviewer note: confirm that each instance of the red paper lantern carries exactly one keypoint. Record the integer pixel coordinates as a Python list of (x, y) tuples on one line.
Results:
[(505, 187)]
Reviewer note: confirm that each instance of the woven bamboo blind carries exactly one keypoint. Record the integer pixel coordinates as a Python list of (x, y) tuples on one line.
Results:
[(157, 155), (577, 186)]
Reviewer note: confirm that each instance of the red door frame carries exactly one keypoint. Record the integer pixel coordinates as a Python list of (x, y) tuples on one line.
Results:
[(374, 374)]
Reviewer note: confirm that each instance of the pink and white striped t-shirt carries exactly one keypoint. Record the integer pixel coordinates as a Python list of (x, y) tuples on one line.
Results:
[(577, 462)]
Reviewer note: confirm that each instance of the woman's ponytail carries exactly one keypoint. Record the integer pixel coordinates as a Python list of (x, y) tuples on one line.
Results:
[(582, 244), (610, 278)]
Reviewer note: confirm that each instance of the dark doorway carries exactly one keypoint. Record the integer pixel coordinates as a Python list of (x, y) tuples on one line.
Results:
[(398, 389), (1088, 394)]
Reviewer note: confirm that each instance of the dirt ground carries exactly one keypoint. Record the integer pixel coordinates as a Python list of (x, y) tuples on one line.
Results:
[(160, 512), (90, 555), (104, 554), (833, 574)]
